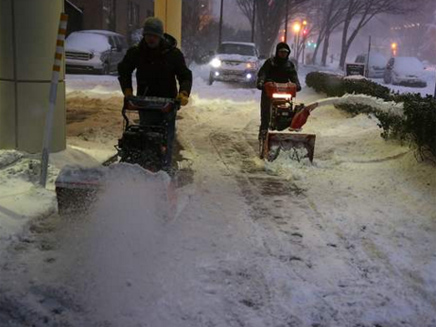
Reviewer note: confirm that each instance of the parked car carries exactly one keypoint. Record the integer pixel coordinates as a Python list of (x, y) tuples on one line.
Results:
[(407, 71), (377, 64), (235, 62), (94, 51)]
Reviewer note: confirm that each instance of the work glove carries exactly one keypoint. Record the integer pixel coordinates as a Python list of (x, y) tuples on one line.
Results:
[(183, 97), (260, 85), (128, 92)]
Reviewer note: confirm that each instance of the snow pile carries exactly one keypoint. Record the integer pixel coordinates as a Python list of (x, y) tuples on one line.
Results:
[(355, 77), (21, 197), (291, 165)]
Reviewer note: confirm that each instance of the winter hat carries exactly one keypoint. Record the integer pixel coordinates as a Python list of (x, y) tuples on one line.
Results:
[(153, 26), (281, 47)]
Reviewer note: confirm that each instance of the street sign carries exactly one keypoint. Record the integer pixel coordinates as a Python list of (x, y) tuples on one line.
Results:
[(353, 69)]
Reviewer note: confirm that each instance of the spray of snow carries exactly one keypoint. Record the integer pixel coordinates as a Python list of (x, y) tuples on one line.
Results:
[(118, 245), (378, 104)]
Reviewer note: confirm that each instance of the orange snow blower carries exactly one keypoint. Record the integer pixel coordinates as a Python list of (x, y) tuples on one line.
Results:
[(286, 121)]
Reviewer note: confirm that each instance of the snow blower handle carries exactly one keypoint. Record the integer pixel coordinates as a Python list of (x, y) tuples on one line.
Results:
[(156, 104)]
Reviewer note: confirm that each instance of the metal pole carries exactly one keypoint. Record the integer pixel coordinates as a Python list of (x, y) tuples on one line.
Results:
[(286, 21), (367, 58), (52, 98), (253, 21), (298, 47), (220, 35), (435, 91)]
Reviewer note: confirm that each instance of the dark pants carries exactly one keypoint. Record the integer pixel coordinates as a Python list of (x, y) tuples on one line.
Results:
[(169, 120), (265, 107)]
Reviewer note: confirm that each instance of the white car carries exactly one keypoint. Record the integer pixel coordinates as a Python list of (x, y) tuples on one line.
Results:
[(377, 64), (235, 62), (407, 71), (94, 51)]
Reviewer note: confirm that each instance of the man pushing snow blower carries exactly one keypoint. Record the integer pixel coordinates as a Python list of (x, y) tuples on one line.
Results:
[(278, 80), (158, 64)]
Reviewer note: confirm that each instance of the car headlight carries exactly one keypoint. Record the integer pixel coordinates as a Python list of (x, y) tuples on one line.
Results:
[(215, 63), (250, 65)]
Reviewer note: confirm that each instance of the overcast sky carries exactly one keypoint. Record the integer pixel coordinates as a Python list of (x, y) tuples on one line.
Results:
[(232, 14)]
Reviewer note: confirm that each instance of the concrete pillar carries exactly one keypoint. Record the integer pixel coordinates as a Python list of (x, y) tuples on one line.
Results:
[(28, 31), (170, 11)]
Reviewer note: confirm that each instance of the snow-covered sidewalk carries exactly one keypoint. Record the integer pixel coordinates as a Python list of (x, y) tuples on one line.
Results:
[(348, 241)]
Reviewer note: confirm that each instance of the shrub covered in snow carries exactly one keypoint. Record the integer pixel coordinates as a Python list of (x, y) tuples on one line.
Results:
[(416, 124), (336, 85)]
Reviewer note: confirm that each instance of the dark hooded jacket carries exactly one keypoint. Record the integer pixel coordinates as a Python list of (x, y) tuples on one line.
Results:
[(156, 69), (279, 70)]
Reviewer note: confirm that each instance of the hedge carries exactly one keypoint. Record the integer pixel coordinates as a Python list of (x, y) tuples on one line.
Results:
[(417, 125)]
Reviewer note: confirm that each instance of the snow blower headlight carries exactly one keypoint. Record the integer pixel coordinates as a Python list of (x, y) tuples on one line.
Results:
[(284, 96), (215, 63)]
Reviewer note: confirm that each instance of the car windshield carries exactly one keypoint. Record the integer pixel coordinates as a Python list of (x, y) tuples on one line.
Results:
[(239, 49), (377, 60), (87, 42)]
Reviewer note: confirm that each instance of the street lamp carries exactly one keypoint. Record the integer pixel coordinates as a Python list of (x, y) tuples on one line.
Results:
[(394, 47), (296, 27)]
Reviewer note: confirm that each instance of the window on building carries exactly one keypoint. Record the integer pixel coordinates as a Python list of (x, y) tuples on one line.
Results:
[(109, 14), (133, 14)]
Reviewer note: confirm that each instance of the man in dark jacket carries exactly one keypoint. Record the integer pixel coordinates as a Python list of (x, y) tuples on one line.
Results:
[(277, 69), (158, 64)]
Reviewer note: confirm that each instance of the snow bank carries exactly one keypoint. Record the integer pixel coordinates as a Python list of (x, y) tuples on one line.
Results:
[(21, 197)]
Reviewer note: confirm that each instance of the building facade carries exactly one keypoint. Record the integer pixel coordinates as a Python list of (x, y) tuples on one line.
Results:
[(121, 16)]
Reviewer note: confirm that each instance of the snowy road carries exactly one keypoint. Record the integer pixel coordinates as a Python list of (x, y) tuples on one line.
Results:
[(349, 241)]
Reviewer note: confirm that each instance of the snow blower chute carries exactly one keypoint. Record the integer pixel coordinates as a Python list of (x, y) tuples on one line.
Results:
[(145, 145), (286, 121)]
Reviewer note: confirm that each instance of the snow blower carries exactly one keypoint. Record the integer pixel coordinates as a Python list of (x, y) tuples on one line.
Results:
[(286, 121), (145, 145)]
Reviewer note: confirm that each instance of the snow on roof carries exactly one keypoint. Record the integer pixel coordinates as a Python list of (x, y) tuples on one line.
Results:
[(102, 32), (78, 41), (74, 6), (408, 66), (239, 43)]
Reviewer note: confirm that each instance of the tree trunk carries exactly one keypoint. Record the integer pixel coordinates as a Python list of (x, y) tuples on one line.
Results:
[(318, 45), (344, 51), (325, 50)]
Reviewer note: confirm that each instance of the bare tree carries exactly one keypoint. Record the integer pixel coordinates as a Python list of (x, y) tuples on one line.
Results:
[(196, 25), (269, 19), (360, 12), (332, 16), (329, 16)]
